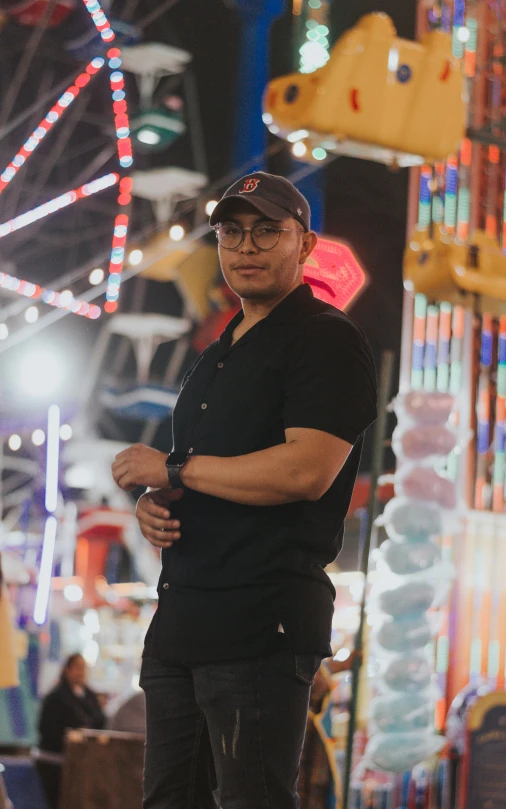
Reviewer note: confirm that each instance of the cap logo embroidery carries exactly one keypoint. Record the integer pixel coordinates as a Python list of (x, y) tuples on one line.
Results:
[(249, 186), (299, 211)]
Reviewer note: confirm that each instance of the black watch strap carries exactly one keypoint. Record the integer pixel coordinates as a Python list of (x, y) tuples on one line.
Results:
[(174, 463), (174, 478)]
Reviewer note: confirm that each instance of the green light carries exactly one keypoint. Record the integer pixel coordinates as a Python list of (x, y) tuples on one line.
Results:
[(437, 209), (313, 36), (420, 305), (501, 380), (472, 27), (423, 214), (311, 24), (315, 3), (319, 153), (457, 44), (322, 29), (463, 205)]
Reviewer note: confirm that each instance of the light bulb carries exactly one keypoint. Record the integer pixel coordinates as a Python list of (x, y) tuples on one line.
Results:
[(135, 257), (299, 149), (14, 442), (32, 314), (65, 432), (38, 437), (176, 233), (96, 277)]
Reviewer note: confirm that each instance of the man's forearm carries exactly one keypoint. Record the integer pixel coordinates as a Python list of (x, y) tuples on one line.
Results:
[(267, 478)]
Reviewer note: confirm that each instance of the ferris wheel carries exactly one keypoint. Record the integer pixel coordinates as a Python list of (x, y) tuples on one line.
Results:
[(73, 143), (85, 97)]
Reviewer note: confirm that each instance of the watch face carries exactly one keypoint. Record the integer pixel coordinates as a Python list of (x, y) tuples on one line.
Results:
[(176, 459)]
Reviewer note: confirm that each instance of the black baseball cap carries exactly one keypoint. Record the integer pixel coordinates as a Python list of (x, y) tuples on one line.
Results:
[(272, 195)]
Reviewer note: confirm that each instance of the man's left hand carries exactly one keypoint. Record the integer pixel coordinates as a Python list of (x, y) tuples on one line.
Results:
[(140, 465)]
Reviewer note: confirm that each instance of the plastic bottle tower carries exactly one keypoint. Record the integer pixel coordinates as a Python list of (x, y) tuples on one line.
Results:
[(412, 579)]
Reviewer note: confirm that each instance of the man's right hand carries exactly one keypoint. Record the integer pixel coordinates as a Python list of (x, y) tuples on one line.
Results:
[(155, 518)]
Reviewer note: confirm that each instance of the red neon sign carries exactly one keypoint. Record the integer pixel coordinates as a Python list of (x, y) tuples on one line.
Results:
[(334, 273)]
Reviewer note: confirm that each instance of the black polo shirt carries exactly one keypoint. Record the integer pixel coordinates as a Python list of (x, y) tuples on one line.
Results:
[(240, 571)]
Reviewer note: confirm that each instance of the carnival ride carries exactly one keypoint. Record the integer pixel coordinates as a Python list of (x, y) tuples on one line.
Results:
[(378, 97)]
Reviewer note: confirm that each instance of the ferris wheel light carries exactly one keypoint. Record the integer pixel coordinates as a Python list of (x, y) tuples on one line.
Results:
[(49, 296), (96, 277), (125, 157), (45, 125), (66, 298), (32, 314), (210, 206), (57, 204), (135, 257)]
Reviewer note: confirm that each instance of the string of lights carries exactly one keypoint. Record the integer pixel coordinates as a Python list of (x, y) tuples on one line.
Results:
[(49, 120), (125, 156), (62, 300), (56, 204), (100, 20)]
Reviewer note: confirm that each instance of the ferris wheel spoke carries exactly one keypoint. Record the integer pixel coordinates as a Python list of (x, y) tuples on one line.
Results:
[(45, 84), (63, 137)]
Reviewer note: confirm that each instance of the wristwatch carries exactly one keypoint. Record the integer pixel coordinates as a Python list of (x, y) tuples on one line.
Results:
[(174, 463)]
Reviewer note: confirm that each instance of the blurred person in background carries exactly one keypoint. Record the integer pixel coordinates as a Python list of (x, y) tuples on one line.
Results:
[(71, 704)]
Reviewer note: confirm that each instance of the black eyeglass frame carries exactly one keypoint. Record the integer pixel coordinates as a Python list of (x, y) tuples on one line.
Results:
[(250, 230)]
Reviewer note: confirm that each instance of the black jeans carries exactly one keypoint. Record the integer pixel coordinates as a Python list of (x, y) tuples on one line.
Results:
[(232, 730)]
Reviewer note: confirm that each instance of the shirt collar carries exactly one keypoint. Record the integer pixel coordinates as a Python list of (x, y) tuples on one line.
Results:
[(288, 309)]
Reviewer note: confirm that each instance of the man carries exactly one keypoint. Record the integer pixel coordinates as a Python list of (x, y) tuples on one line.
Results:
[(267, 436)]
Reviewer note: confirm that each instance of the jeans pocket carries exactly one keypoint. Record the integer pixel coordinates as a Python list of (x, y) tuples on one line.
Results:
[(306, 666)]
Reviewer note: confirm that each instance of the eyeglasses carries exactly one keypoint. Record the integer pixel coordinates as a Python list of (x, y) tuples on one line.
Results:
[(265, 237)]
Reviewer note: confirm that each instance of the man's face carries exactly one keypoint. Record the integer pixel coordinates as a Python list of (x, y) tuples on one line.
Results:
[(264, 275)]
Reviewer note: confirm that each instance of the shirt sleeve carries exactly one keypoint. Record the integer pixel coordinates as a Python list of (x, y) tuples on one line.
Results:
[(330, 383)]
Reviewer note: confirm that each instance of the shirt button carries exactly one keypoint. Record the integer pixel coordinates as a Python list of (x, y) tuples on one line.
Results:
[(165, 586), (220, 365), (203, 406), (190, 451)]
